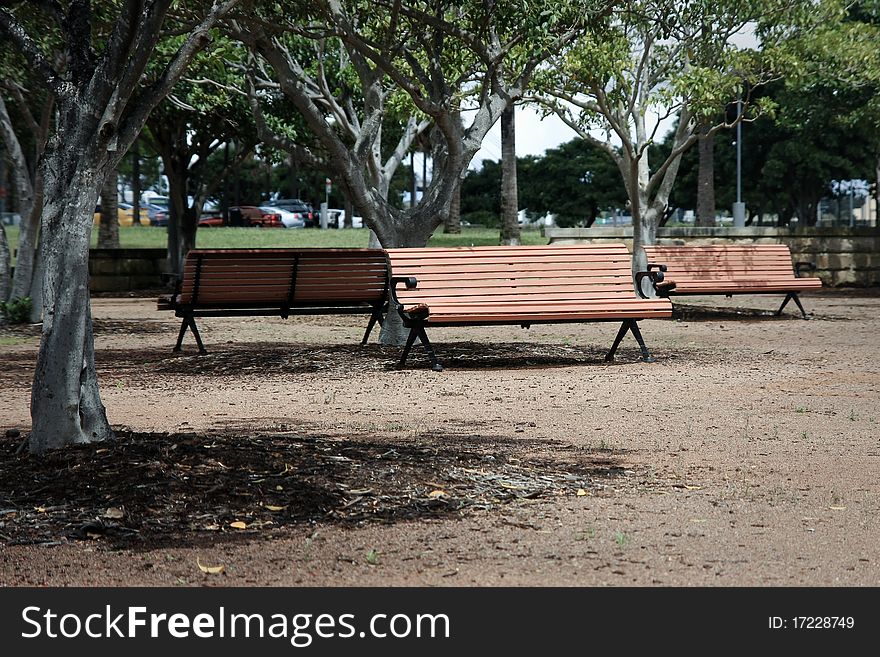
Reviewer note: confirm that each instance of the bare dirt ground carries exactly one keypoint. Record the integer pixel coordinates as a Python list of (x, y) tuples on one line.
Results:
[(747, 454)]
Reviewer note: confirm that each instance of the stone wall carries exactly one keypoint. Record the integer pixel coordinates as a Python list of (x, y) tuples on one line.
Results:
[(843, 256), (126, 270)]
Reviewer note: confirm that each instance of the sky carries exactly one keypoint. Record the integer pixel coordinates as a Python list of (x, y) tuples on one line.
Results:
[(533, 136)]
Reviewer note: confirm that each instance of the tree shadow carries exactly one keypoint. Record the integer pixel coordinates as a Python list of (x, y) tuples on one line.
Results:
[(149, 490)]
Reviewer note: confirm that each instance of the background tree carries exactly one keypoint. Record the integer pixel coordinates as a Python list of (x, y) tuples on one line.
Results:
[(108, 226), (656, 58), (510, 232), (790, 161), (428, 59), (101, 108), (24, 128), (202, 113), (574, 182)]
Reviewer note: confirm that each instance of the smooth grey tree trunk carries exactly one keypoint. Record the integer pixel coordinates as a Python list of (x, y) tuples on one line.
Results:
[(36, 293), (65, 403), (108, 230), (99, 114), (408, 235), (26, 253), (27, 208), (4, 265), (706, 177), (510, 230), (452, 223)]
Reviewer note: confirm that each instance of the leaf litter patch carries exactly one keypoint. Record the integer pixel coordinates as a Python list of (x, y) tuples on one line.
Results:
[(178, 488)]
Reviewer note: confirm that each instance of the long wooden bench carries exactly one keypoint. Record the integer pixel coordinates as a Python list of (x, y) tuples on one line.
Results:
[(282, 282), (728, 270), (522, 285)]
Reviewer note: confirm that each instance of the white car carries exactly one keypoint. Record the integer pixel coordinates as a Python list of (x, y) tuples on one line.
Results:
[(337, 219), (289, 218)]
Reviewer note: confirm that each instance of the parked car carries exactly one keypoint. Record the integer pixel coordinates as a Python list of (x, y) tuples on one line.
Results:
[(289, 218), (153, 210), (160, 218), (337, 219), (253, 215), (296, 206), (125, 215), (211, 221)]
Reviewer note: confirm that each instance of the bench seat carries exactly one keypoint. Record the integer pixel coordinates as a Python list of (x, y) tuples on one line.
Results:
[(494, 285), (728, 270), (279, 282)]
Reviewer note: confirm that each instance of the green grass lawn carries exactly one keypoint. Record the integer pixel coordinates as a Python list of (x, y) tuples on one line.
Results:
[(140, 237)]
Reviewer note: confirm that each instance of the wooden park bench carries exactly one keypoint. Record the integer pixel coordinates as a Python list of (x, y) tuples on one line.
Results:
[(728, 270), (282, 282), (494, 285)]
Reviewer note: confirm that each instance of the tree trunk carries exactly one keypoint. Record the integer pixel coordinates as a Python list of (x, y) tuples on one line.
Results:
[(510, 231), (65, 402), (26, 250), (407, 235), (177, 207), (108, 231), (644, 234), (706, 178), (36, 291), (4, 265), (136, 182), (452, 224), (348, 206), (877, 190)]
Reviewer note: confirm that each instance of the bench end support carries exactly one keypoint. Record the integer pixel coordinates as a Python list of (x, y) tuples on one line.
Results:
[(629, 325), (418, 331), (793, 296)]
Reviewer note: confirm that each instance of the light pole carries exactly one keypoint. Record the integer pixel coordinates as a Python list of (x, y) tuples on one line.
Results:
[(739, 208)]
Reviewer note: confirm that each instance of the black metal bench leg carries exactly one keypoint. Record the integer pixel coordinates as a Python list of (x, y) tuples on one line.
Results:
[(375, 317), (793, 296), (788, 297), (800, 306), (435, 364), (411, 338), (622, 332), (195, 332), (630, 325), (637, 334), (183, 325)]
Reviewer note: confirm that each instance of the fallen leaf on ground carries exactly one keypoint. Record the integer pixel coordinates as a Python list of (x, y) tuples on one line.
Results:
[(275, 508), (214, 570), (114, 513), (238, 524)]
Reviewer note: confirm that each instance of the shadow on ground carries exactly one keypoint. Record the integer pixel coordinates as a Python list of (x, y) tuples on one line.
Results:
[(693, 313), (158, 489), (291, 358)]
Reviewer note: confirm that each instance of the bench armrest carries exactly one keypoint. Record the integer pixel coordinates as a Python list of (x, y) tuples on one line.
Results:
[(655, 277), (803, 264), (411, 284)]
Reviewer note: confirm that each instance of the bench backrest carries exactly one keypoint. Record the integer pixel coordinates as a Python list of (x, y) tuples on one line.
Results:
[(747, 262), (284, 278), (486, 274)]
